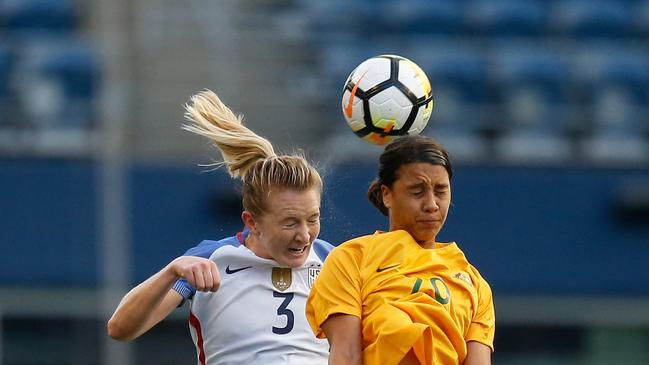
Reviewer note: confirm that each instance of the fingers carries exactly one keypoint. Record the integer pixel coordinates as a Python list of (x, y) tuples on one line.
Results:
[(200, 273), (205, 276), (216, 278), (199, 276)]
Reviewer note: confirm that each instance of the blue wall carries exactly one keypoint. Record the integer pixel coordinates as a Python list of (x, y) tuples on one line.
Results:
[(551, 231), (48, 223), (528, 230)]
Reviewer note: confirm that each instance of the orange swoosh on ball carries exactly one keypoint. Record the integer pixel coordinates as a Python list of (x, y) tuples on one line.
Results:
[(388, 128), (350, 103)]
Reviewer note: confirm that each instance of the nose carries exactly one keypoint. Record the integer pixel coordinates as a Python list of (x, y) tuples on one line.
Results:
[(302, 234), (430, 203)]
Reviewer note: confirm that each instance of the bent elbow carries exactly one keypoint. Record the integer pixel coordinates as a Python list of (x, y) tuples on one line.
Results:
[(117, 331)]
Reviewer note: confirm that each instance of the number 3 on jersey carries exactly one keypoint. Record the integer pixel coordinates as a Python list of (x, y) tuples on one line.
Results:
[(284, 311)]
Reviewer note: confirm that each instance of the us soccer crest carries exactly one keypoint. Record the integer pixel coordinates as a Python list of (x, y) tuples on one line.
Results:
[(282, 278), (313, 273)]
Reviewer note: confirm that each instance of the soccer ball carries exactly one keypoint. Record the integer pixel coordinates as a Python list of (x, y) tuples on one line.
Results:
[(387, 96)]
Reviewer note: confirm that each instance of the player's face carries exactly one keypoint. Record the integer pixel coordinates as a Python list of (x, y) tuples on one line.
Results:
[(418, 200), (289, 227)]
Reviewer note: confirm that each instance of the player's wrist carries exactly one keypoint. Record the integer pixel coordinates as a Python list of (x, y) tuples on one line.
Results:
[(173, 270)]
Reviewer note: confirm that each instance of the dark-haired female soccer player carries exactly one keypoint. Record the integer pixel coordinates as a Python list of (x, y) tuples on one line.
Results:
[(402, 297)]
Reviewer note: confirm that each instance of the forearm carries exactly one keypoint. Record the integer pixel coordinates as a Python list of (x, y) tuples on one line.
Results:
[(339, 357), (344, 334), (133, 314), (477, 354)]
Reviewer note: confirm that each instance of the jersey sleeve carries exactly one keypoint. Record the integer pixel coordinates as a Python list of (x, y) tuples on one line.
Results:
[(337, 289), (483, 324)]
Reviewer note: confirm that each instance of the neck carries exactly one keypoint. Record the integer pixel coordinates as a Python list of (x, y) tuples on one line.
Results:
[(254, 246), (427, 244)]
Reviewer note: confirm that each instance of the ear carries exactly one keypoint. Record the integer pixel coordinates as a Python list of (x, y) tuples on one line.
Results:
[(249, 221), (386, 193)]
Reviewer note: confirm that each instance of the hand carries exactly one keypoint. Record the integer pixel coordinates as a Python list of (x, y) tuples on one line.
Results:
[(202, 274)]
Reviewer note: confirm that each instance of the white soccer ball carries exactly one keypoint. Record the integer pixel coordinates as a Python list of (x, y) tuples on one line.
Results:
[(387, 96)]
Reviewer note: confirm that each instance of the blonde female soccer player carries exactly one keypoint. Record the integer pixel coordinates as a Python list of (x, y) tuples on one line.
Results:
[(247, 292), (402, 297)]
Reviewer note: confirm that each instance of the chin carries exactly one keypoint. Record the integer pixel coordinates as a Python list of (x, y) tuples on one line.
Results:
[(293, 261), (425, 236)]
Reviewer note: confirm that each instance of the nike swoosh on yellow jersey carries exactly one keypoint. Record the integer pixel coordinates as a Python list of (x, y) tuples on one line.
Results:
[(380, 269)]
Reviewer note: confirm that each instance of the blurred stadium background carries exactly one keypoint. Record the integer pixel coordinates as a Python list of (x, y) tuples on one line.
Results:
[(544, 106)]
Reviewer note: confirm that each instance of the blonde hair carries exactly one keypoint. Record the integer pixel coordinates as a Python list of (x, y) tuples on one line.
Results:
[(247, 155)]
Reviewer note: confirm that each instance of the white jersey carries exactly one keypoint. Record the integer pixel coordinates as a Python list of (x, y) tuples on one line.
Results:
[(257, 316)]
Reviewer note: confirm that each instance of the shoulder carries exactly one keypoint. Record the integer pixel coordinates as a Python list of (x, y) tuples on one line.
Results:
[(359, 247), (473, 272), (206, 248), (376, 241), (322, 248), (479, 278)]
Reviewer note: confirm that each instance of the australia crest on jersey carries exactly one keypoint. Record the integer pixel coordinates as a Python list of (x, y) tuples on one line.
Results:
[(464, 277), (313, 273), (282, 278)]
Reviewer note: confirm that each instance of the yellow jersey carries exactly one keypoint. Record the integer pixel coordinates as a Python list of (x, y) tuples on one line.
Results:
[(431, 300)]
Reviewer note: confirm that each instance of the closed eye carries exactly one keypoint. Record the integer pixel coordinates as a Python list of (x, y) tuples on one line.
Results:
[(289, 223)]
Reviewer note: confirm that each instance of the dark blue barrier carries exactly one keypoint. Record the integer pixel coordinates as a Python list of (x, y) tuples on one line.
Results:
[(562, 231), (48, 223), (546, 231), (174, 209)]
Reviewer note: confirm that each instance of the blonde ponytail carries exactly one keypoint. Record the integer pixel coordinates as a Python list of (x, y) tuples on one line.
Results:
[(248, 155), (240, 146)]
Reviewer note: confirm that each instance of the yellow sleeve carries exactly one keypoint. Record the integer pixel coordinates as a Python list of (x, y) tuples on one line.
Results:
[(337, 289), (483, 325)]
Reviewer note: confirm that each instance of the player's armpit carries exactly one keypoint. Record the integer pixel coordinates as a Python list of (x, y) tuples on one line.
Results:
[(477, 354), (344, 334)]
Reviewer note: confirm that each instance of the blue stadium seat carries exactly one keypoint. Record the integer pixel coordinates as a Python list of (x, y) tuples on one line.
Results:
[(458, 76), (615, 87), (463, 145), (337, 18), (422, 17), (5, 91), (640, 23), (533, 146), (464, 69), (591, 18), (340, 56), (5, 70), (532, 87), (614, 82), (615, 147), (532, 84), (59, 81), (507, 17), (39, 15)]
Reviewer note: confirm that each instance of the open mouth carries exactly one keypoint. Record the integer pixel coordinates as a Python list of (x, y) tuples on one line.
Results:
[(298, 250)]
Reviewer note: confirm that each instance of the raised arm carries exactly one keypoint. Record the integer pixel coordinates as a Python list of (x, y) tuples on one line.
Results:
[(344, 334), (154, 299)]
